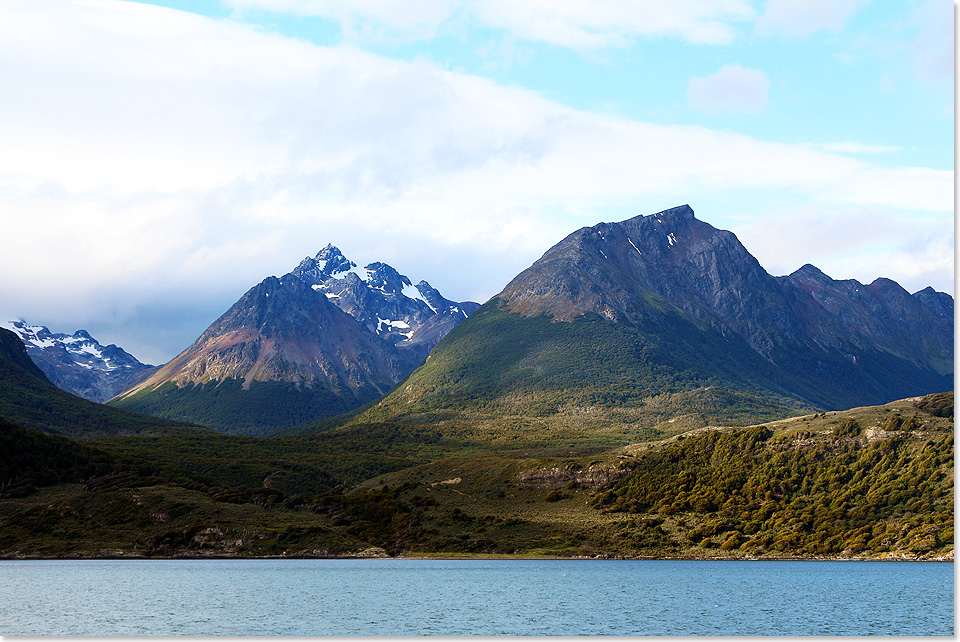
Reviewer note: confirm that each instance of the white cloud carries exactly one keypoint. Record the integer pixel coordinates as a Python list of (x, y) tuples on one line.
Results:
[(804, 17), (153, 156), (862, 243), (366, 19), (934, 46), (852, 147), (732, 88), (578, 24)]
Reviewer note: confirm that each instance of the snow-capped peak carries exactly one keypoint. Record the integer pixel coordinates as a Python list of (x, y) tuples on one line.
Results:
[(79, 347), (77, 362), (329, 263), (378, 296)]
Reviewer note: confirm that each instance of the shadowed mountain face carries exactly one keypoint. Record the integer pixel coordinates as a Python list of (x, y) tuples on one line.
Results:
[(319, 341), (690, 310)]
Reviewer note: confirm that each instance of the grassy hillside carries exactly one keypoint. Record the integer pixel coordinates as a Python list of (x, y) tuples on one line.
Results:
[(28, 399), (871, 482), (301, 464), (507, 380)]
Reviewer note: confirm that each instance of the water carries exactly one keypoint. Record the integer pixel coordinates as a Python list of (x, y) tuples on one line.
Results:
[(482, 597)]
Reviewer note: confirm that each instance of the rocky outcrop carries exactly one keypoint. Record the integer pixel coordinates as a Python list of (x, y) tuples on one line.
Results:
[(560, 476)]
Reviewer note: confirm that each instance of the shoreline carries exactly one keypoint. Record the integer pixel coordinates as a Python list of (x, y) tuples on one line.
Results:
[(120, 555)]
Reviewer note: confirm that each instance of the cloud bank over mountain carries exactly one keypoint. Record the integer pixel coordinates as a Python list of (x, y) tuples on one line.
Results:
[(158, 161)]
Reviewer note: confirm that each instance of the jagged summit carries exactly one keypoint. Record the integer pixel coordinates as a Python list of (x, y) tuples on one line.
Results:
[(384, 301), (328, 263)]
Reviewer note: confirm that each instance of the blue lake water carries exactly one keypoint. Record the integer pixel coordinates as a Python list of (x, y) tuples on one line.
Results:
[(474, 597)]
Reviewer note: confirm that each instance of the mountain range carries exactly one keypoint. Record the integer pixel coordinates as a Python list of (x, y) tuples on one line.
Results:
[(78, 363), (321, 340), (600, 405), (652, 325)]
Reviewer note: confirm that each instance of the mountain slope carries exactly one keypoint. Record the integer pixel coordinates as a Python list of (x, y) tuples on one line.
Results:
[(314, 343), (29, 400), (78, 363), (663, 316)]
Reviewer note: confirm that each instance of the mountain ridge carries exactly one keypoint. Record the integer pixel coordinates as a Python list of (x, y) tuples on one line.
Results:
[(78, 363)]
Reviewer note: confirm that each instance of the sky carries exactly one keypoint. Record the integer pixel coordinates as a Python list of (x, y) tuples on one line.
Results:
[(161, 158)]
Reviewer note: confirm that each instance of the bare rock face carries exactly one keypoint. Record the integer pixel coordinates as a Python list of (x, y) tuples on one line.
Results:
[(281, 330)]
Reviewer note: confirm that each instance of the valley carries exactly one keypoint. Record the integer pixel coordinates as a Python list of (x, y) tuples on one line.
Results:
[(815, 497)]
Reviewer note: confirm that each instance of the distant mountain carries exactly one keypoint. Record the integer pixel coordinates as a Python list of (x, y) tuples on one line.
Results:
[(28, 399), (664, 318), (321, 340), (78, 363)]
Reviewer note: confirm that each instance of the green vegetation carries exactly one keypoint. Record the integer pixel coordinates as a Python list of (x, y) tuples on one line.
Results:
[(163, 520), (872, 482), (302, 464), (589, 361), (868, 482), (832, 492)]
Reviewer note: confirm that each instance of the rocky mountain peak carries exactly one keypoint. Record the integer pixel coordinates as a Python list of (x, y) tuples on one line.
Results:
[(327, 336), (386, 279), (384, 301), (631, 269), (669, 262), (937, 303), (328, 263), (808, 271)]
